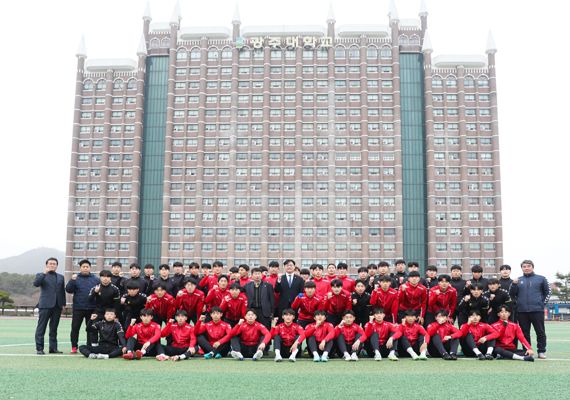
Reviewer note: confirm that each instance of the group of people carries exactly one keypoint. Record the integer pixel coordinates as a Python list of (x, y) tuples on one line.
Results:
[(203, 311)]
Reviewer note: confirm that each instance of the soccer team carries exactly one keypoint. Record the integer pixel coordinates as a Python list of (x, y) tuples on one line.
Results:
[(380, 314)]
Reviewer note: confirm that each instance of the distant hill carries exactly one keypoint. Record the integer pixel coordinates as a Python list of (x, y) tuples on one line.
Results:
[(32, 261)]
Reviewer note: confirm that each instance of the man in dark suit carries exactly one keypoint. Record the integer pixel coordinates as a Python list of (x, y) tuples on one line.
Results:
[(52, 300), (260, 297), (289, 286)]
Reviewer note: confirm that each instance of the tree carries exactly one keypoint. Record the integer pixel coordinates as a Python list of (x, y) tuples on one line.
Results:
[(563, 285), (5, 299)]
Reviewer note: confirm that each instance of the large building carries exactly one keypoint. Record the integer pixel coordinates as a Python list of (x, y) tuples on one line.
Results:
[(318, 143)]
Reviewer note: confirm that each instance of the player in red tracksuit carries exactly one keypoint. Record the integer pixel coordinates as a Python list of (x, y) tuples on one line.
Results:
[(287, 337), (162, 304), (249, 338), (336, 302), (505, 346), (217, 293), (477, 337), (191, 300), (348, 335), (306, 304), (412, 296), (143, 339), (411, 337), (209, 280), (342, 273), (379, 334), (183, 339), (386, 297), (441, 297), (440, 340), (319, 336), (234, 305), (244, 277), (323, 284), (213, 336)]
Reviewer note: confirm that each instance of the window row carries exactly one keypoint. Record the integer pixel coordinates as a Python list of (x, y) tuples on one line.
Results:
[(453, 126), (117, 84), (86, 101), (456, 216), (457, 201), (454, 97), (469, 231), (469, 156), (222, 99), (283, 201)]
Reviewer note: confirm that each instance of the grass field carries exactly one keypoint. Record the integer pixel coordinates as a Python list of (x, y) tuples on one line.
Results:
[(23, 375)]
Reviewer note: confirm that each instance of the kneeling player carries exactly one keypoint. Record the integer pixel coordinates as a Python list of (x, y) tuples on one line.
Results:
[(249, 338), (213, 336), (287, 337), (379, 333), (508, 333), (411, 337), (442, 337), (183, 339), (320, 335), (111, 337), (478, 338), (143, 339), (348, 335)]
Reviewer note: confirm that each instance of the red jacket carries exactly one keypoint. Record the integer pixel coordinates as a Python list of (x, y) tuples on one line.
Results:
[(234, 309), (182, 336), (251, 334), (508, 334), (383, 331), (215, 332), (443, 330), (438, 300), (192, 303), (323, 286), (272, 279), (349, 332), (145, 333), (325, 331), (411, 332), (348, 283), (307, 306), (413, 298), (289, 334), (215, 297), (388, 300), (209, 282), (163, 307), (243, 281), (478, 331), (338, 303)]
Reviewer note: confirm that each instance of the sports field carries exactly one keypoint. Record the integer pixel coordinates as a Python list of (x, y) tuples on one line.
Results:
[(23, 375)]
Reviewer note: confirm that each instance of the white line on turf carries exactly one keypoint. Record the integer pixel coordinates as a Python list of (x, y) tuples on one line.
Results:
[(26, 344)]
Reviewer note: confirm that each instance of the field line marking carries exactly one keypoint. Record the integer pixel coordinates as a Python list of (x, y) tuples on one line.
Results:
[(25, 344)]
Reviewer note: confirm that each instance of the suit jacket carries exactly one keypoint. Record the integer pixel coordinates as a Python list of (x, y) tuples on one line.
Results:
[(52, 289), (267, 297), (288, 293)]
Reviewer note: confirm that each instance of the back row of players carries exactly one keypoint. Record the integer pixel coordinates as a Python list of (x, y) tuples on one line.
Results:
[(375, 297)]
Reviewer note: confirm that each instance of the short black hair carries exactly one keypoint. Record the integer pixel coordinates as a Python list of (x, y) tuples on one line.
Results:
[(319, 312), (413, 264), (254, 270), (163, 266), (235, 285), (117, 264), (400, 261), (505, 307), (159, 286), (233, 270), (316, 266), (385, 278), (310, 284), (223, 277), (342, 265), (348, 312), (263, 268), (218, 263), (177, 264), (444, 277), (111, 310), (146, 311), (411, 313), (475, 312), (134, 265), (206, 266), (372, 266), (378, 310), (477, 268), (493, 281), (244, 266), (455, 266), (216, 309), (181, 312), (504, 266), (431, 268), (273, 264), (476, 286), (52, 259), (305, 271), (149, 266), (191, 280), (443, 313), (383, 264), (288, 311), (336, 283), (287, 261), (359, 281), (105, 273), (132, 285), (413, 273), (84, 261), (362, 269)]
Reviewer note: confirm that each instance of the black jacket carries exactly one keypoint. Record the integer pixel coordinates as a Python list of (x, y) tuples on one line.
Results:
[(110, 333), (459, 286), (511, 287), (266, 297), (501, 296), (480, 304), (108, 297), (288, 293), (141, 283), (119, 282), (52, 292), (361, 308), (134, 304)]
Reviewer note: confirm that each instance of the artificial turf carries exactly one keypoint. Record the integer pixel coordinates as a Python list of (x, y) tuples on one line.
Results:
[(26, 376)]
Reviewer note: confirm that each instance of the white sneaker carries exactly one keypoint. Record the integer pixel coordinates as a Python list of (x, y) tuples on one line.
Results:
[(92, 356), (347, 357), (324, 358), (422, 357), (292, 358), (542, 356), (278, 358), (378, 357), (237, 355), (102, 356), (258, 355), (392, 357), (354, 357), (316, 358)]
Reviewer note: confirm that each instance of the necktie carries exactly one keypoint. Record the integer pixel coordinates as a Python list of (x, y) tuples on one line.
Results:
[(289, 279)]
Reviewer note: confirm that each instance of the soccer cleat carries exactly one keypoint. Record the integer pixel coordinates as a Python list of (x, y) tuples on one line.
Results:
[(258, 355), (529, 358), (138, 354), (103, 356), (542, 356), (128, 356), (40, 353), (446, 356), (378, 357), (92, 356), (489, 357), (208, 356), (316, 358), (278, 358), (392, 357), (481, 357), (56, 351), (218, 356), (73, 350), (292, 359), (453, 356), (324, 358), (354, 357)]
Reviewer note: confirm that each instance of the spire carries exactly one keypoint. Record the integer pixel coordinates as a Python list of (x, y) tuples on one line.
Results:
[(427, 47), (236, 18), (146, 15), (330, 18), (81, 51), (423, 9), (141, 51), (491, 47), (393, 13), (175, 19)]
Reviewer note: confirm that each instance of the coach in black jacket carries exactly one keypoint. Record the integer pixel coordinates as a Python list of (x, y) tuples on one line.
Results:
[(289, 286), (52, 300), (260, 297)]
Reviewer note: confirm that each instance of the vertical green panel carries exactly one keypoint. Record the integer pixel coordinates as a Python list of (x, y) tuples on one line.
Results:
[(413, 158), (152, 176)]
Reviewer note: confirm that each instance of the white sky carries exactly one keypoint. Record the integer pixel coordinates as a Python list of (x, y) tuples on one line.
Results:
[(40, 39)]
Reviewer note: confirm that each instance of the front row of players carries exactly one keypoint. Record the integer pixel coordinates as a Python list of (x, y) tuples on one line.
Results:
[(250, 339)]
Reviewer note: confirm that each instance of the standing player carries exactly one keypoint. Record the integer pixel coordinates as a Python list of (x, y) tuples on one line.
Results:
[(386, 298), (412, 296), (441, 297)]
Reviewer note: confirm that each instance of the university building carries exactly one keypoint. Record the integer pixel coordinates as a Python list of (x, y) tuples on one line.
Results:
[(318, 143)]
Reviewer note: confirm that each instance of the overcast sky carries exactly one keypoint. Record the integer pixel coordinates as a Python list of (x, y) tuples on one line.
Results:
[(40, 39)]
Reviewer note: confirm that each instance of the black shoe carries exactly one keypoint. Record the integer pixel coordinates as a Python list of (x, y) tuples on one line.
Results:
[(529, 358), (40, 353), (446, 356), (55, 352), (481, 357), (489, 357), (453, 356)]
